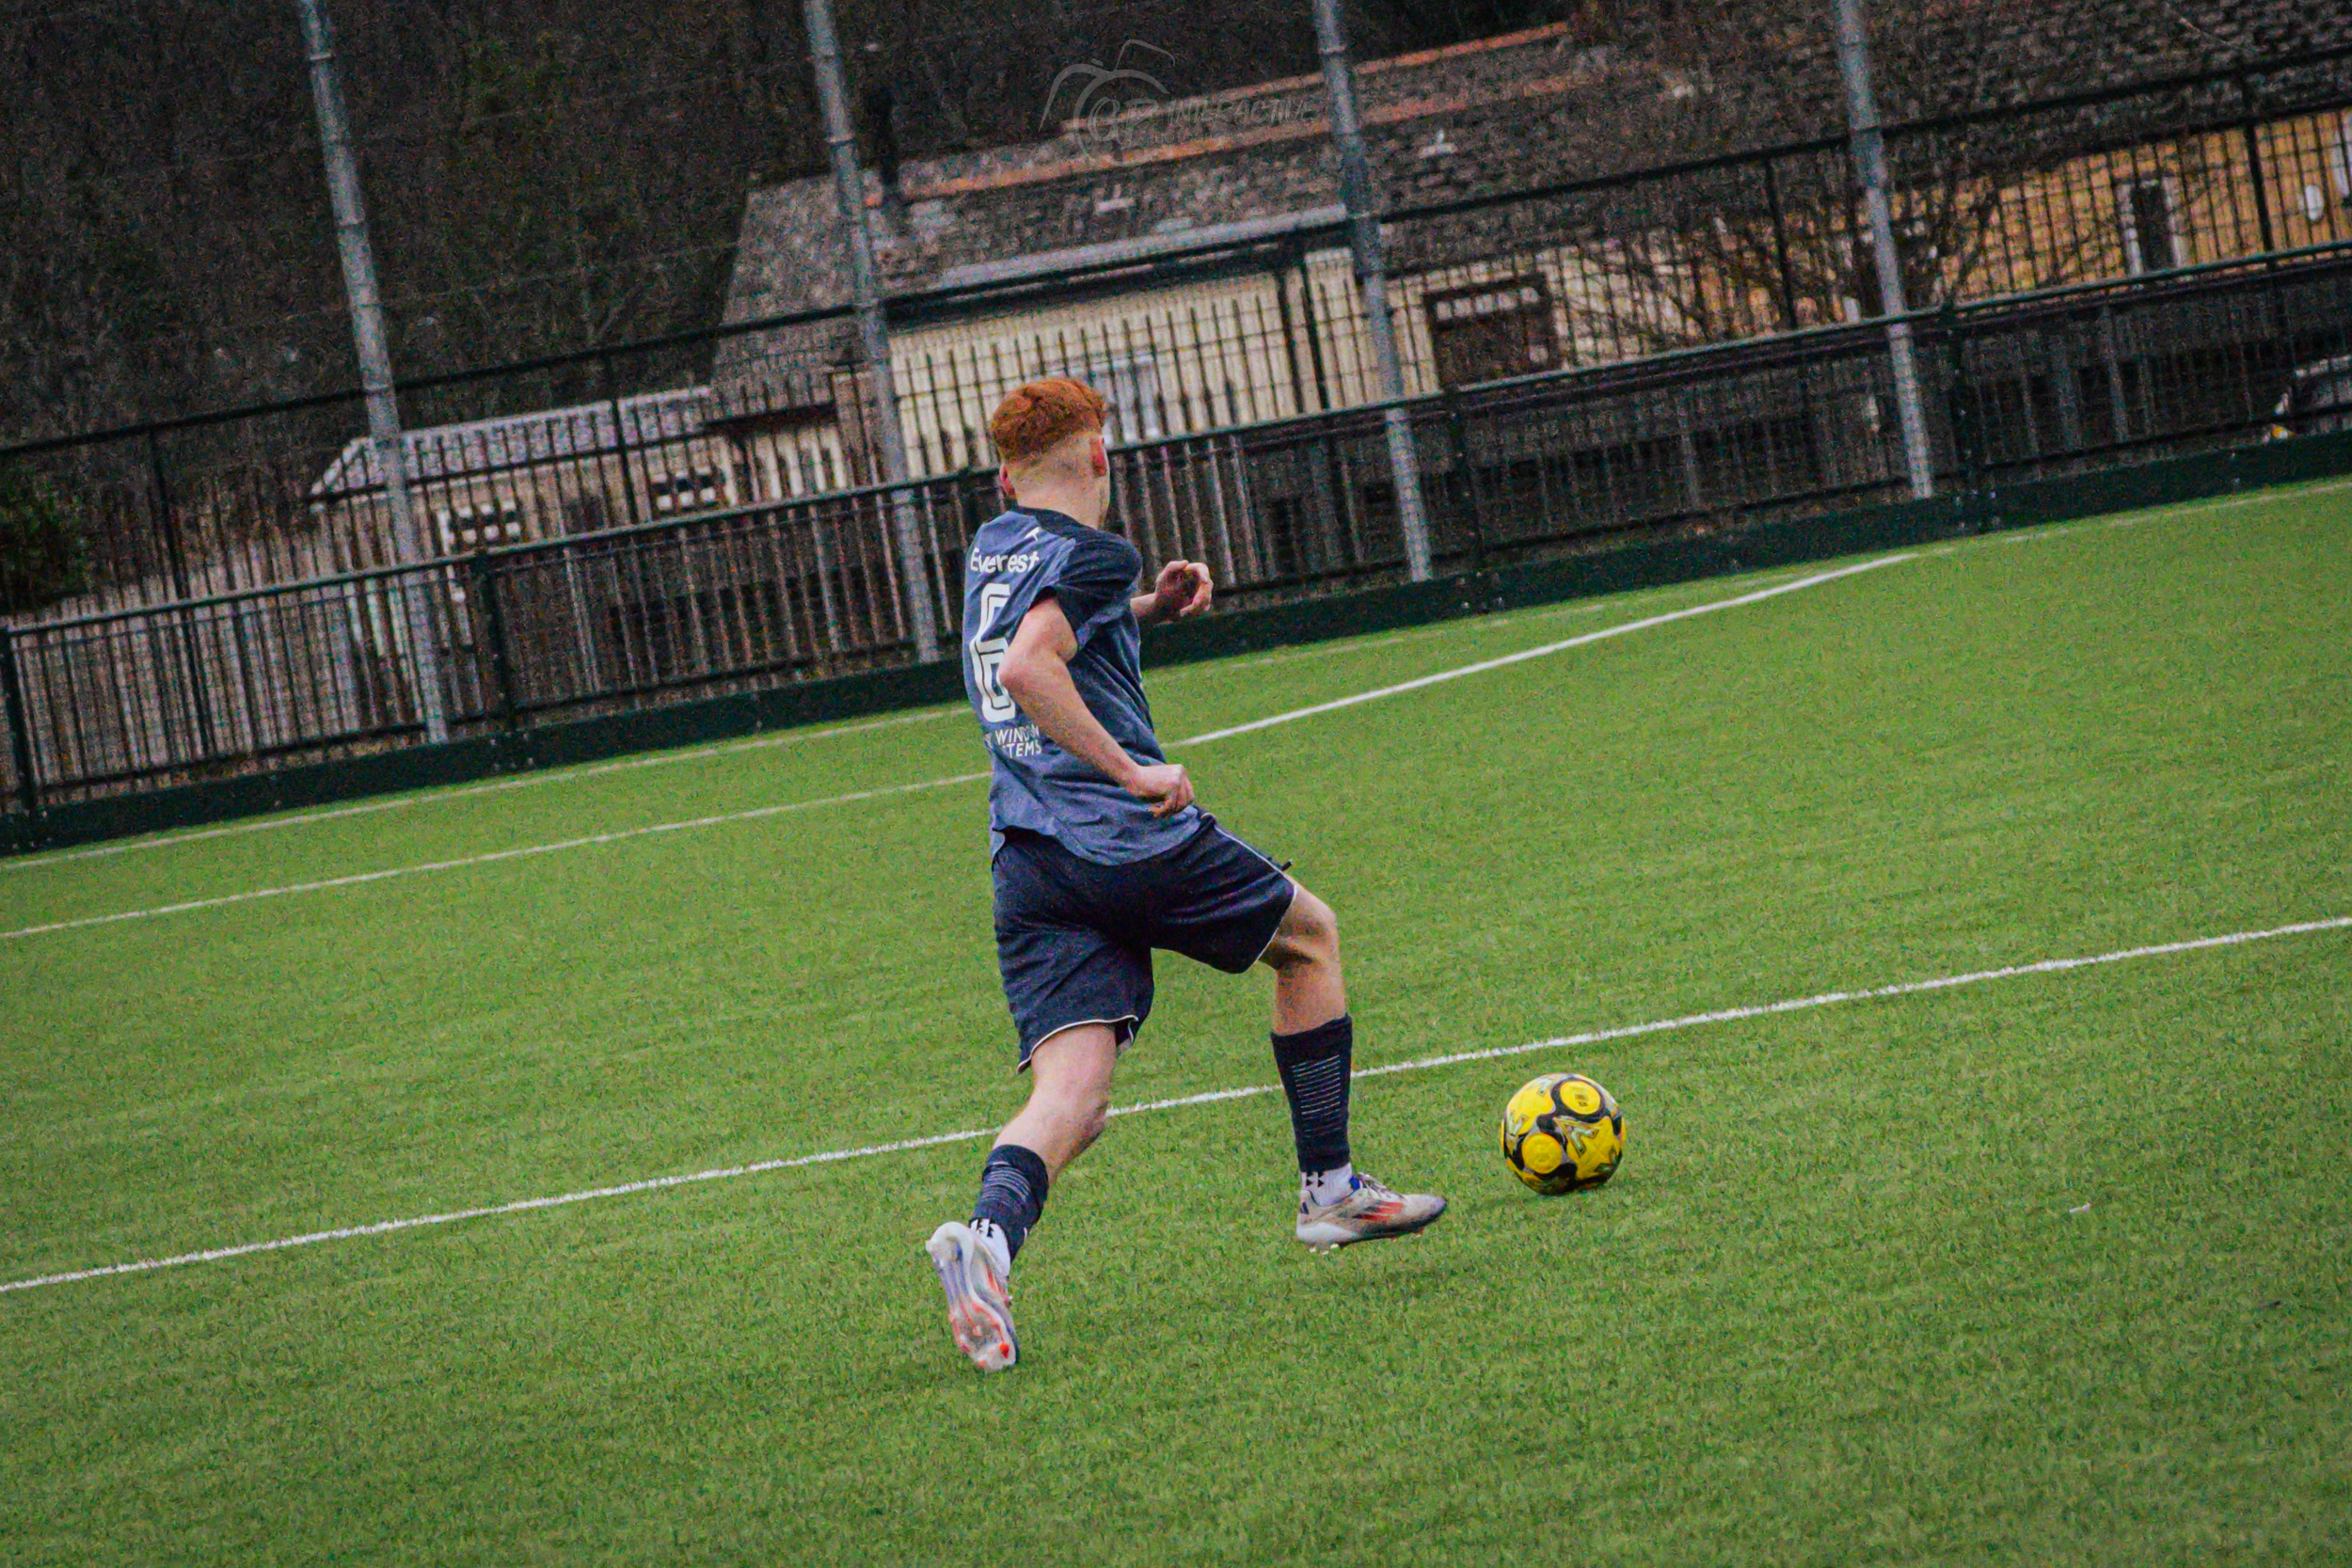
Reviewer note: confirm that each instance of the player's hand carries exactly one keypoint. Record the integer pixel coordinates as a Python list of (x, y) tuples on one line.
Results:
[(1182, 588), (1166, 785)]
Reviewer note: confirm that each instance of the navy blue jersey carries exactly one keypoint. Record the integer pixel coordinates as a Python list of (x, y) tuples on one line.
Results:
[(1016, 560)]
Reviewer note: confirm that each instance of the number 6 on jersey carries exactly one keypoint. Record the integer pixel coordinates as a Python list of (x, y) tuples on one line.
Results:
[(987, 655)]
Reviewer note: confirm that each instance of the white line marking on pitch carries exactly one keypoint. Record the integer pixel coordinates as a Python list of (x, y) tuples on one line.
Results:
[(1525, 654), (566, 775), (553, 775), (495, 855), (724, 1173), (756, 812), (1499, 620)]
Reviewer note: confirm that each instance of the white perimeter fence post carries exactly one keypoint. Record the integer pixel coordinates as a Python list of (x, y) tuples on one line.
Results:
[(376, 367), (1870, 162), (848, 194), (1363, 234)]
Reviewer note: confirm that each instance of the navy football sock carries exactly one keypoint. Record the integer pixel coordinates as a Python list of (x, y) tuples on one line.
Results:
[(1012, 1193), (1315, 1065)]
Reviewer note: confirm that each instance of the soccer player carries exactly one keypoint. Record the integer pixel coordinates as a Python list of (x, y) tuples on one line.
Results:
[(1099, 855)]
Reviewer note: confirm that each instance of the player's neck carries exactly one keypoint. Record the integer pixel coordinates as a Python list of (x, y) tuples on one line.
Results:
[(1081, 506)]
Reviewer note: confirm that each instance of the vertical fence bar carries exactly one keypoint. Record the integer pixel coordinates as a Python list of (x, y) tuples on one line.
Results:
[(493, 603), (167, 514), (1959, 404), (2251, 129), (1472, 494), (2274, 312), (2110, 355), (20, 721), (620, 450), (1784, 270), (1313, 331), (176, 552)]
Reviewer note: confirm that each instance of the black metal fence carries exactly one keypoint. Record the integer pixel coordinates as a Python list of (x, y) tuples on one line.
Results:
[(2119, 183), (2134, 271), (218, 502), (2129, 183), (742, 596)]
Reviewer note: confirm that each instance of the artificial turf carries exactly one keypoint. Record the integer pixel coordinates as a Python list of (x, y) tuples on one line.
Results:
[(2049, 1268)]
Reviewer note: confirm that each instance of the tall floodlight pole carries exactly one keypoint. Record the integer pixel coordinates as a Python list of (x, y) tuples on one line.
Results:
[(376, 358), (848, 193), (1870, 162), (1363, 236)]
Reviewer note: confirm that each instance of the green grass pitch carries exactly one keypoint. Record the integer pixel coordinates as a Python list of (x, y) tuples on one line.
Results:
[(2050, 1269)]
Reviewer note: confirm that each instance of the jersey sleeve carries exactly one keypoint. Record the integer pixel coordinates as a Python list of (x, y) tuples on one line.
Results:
[(1095, 576)]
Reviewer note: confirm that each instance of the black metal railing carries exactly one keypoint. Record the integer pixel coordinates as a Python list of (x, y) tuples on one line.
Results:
[(2122, 182), (753, 595), (2130, 183)]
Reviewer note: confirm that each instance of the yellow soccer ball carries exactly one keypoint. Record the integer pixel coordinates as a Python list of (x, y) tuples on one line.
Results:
[(1562, 1133)]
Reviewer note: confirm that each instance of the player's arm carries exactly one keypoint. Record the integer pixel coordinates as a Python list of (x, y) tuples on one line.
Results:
[(1036, 675), (1182, 588)]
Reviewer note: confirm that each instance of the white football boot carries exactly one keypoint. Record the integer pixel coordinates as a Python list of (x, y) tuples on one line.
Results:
[(1370, 1214), (979, 1296)]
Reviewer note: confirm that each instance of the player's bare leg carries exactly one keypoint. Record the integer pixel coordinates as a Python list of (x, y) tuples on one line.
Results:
[(1069, 1095), (1315, 1050), (1070, 1098), (1309, 987)]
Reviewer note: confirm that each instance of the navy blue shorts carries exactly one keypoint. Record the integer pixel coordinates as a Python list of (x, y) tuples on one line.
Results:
[(1074, 939)]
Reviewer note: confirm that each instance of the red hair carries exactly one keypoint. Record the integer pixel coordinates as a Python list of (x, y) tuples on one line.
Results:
[(1035, 419)]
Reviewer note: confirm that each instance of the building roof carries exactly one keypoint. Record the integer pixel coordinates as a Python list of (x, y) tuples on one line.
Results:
[(1160, 175), (1134, 171), (479, 446), (1975, 53)]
